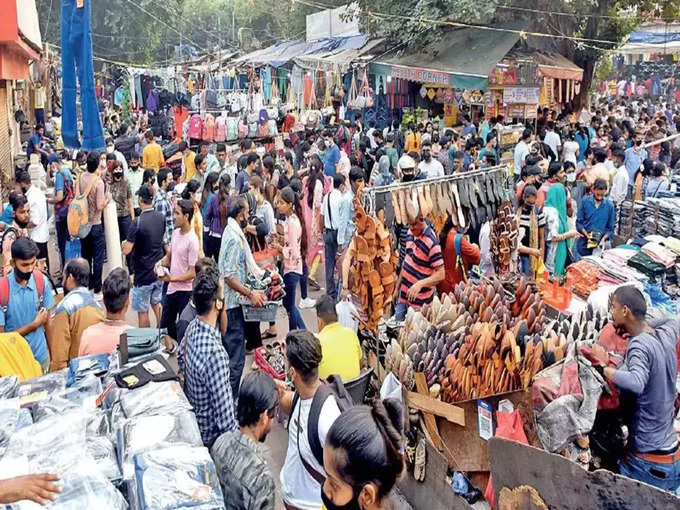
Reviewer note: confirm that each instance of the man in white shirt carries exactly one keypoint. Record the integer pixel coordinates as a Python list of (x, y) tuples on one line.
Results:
[(37, 203), (619, 189), (330, 210), (225, 157), (521, 152), (134, 176), (552, 139), (312, 409), (429, 166)]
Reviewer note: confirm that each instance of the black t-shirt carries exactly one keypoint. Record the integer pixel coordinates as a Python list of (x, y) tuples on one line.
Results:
[(146, 232), (187, 315)]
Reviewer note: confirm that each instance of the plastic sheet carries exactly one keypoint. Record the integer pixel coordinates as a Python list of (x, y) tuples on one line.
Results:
[(103, 452), (177, 477), (82, 395), (8, 386), (143, 433), (53, 434), (42, 387)]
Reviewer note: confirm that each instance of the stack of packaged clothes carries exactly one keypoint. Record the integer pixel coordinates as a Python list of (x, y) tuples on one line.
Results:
[(647, 265), (613, 266), (117, 443), (660, 254)]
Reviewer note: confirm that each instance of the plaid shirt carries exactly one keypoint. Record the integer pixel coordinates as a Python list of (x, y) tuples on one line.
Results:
[(232, 264), (161, 203), (205, 365)]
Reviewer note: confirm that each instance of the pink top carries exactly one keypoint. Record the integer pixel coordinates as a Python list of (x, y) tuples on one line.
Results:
[(101, 338), (183, 255), (314, 237), (292, 234)]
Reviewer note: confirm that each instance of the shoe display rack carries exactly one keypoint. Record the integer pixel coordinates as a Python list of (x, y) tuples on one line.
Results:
[(469, 198)]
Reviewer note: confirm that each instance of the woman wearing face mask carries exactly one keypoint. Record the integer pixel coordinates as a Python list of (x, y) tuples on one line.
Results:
[(216, 217), (362, 457), (122, 196), (294, 251), (192, 192)]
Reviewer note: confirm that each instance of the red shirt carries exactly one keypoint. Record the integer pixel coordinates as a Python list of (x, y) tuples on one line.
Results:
[(423, 258), (471, 256)]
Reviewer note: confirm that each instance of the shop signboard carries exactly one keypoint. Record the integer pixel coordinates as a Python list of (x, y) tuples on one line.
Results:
[(530, 111), (521, 95), (420, 75), (516, 111)]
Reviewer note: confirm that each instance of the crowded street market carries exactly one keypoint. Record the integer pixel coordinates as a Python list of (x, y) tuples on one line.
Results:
[(339, 270)]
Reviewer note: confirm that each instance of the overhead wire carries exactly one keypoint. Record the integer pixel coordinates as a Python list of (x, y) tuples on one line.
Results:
[(521, 33)]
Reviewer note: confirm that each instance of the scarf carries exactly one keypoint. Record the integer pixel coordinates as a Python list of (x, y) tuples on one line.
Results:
[(557, 199), (251, 265)]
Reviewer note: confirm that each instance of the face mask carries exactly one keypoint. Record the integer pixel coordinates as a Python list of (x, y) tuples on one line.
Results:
[(22, 276), (117, 175), (427, 156), (109, 149), (571, 177), (243, 223), (408, 177), (352, 504)]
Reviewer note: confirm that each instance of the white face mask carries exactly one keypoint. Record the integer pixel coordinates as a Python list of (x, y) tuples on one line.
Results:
[(109, 149), (571, 177)]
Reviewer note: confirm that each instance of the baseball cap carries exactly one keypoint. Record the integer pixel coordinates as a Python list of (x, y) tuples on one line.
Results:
[(145, 193)]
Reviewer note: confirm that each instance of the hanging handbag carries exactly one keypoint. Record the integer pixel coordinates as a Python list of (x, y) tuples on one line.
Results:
[(367, 91)]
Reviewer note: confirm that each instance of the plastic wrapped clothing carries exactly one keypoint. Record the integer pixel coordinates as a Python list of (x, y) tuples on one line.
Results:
[(11, 421), (143, 433), (51, 383), (8, 386), (82, 395), (52, 434), (565, 398), (164, 397), (103, 452), (78, 368), (177, 477)]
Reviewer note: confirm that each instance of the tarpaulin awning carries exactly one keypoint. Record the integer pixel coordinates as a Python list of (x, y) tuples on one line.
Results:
[(554, 65), (462, 58), (284, 51)]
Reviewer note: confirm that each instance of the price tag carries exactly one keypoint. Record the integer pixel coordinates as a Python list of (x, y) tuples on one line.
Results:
[(485, 419)]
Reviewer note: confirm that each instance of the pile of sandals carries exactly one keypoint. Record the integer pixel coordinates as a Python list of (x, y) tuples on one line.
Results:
[(476, 342), (503, 241), (372, 275)]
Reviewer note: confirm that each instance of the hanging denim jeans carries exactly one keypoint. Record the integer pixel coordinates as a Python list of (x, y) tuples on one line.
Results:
[(76, 53)]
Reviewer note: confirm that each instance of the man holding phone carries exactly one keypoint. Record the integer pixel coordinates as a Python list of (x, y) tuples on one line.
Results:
[(25, 300)]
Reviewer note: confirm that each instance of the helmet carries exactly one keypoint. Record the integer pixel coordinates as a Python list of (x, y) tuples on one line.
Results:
[(406, 161)]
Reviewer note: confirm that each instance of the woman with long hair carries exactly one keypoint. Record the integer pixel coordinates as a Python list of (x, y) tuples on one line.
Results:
[(312, 186), (294, 251), (362, 457), (210, 188), (192, 191), (216, 217), (658, 181)]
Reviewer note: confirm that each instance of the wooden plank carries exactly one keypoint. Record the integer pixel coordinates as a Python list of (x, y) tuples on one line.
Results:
[(564, 485), (433, 406), (430, 421)]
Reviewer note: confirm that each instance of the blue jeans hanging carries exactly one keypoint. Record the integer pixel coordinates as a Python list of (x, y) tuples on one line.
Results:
[(76, 52)]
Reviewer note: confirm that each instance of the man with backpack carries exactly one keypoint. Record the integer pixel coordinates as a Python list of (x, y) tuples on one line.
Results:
[(312, 408), (25, 300), (63, 196)]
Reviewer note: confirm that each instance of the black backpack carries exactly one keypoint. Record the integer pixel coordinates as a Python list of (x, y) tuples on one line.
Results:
[(331, 386)]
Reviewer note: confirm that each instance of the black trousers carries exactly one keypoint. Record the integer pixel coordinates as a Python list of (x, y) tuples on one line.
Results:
[(173, 304)]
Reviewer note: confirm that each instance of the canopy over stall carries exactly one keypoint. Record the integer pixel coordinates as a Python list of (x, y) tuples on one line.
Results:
[(653, 38), (462, 58)]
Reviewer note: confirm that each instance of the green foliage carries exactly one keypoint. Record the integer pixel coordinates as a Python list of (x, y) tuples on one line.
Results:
[(122, 31)]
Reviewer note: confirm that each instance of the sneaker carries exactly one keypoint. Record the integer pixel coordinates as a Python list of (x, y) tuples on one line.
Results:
[(307, 303), (99, 296)]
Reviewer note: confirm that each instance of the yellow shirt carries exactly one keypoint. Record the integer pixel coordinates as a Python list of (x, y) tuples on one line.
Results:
[(197, 224), (190, 166), (412, 143), (340, 352), (152, 156)]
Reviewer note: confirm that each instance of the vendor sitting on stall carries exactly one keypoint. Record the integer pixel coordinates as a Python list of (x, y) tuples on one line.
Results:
[(649, 373), (422, 270)]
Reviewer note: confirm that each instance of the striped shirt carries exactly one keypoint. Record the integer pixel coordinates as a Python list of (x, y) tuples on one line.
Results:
[(423, 258)]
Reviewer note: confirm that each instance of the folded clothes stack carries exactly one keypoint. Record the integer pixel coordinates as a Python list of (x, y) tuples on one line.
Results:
[(614, 272), (583, 277), (647, 265), (660, 254)]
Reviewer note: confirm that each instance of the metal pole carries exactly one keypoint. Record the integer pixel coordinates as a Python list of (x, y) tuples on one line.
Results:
[(657, 142)]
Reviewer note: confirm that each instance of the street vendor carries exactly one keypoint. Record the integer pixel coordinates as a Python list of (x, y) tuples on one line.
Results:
[(422, 270), (649, 372)]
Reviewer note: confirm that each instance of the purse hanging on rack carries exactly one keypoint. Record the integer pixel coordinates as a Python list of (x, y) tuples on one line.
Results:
[(366, 91), (327, 99), (355, 102)]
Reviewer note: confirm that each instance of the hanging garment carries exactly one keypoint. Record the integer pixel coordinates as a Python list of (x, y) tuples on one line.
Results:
[(138, 92), (181, 113), (76, 44), (195, 126), (209, 128), (152, 100), (221, 128), (266, 78), (118, 96)]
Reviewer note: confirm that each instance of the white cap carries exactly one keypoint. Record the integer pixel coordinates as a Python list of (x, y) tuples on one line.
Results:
[(406, 161)]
